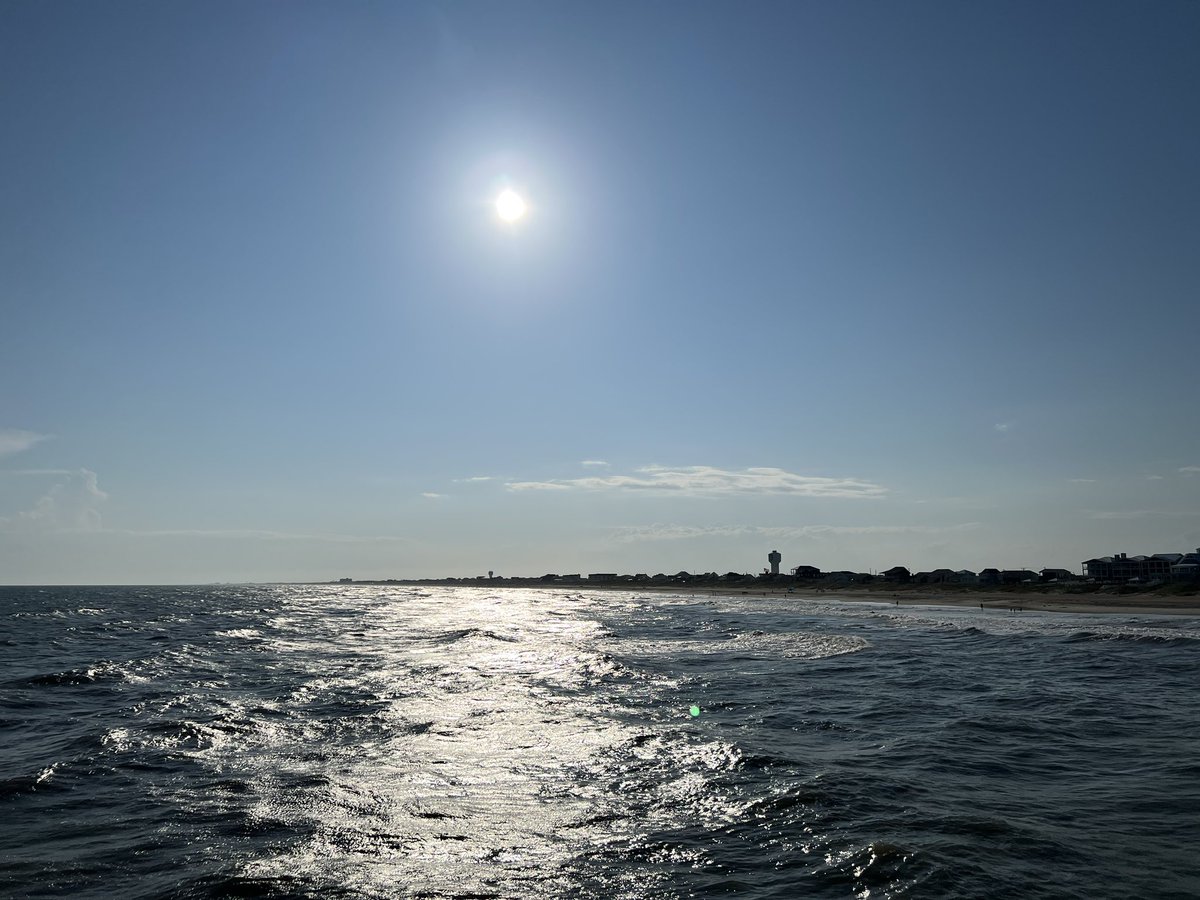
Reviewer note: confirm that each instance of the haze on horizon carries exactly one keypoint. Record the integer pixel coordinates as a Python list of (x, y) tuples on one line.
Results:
[(890, 284)]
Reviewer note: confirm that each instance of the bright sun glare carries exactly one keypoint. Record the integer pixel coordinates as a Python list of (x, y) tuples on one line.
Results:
[(510, 206)]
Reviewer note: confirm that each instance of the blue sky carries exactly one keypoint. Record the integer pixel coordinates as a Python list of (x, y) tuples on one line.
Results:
[(871, 284)]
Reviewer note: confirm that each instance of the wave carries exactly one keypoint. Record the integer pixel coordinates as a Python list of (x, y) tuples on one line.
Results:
[(91, 675), (25, 784), (755, 645), (1155, 636), (463, 634)]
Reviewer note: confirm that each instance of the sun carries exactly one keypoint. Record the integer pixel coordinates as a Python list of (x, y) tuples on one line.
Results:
[(510, 206)]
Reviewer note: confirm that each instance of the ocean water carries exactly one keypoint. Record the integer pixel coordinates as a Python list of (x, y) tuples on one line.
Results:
[(370, 741)]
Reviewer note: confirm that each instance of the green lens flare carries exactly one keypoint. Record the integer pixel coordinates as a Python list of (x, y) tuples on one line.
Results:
[(695, 711)]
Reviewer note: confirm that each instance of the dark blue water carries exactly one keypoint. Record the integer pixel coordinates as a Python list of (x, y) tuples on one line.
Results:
[(357, 741)]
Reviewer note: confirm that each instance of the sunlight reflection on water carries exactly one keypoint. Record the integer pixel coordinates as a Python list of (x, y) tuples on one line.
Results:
[(465, 785)]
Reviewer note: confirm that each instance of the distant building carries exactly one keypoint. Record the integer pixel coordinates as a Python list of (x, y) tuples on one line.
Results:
[(1187, 568), (1121, 567), (1159, 565), (774, 558), (937, 576), (602, 578), (1017, 576), (806, 572), (1056, 575), (898, 574), (844, 577)]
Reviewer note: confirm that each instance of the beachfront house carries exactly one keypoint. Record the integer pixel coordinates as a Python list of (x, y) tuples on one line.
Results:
[(1185, 571), (1047, 575), (1017, 576), (937, 576), (1121, 567), (843, 576), (1187, 568)]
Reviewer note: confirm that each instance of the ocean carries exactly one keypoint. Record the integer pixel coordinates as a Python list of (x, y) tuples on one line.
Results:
[(368, 741)]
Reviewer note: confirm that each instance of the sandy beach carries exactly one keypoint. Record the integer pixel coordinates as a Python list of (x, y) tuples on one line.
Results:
[(1018, 600)]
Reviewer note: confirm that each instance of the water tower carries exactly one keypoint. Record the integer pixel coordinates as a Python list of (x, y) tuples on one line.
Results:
[(774, 559)]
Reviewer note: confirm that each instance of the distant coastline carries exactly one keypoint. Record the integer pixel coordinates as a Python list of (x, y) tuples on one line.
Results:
[(1071, 597)]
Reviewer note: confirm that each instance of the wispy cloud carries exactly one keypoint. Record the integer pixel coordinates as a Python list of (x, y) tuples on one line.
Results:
[(70, 505), (16, 440), (474, 479), (1142, 514), (1003, 426), (259, 534), (1082, 480), (707, 481), (596, 463), (432, 495), (1189, 470), (673, 532)]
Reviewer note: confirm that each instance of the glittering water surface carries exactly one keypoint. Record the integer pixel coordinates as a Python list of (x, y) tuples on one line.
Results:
[(369, 741)]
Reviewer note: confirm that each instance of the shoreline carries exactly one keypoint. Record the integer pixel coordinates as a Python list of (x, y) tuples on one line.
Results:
[(1002, 601), (1147, 603), (1033, 602)]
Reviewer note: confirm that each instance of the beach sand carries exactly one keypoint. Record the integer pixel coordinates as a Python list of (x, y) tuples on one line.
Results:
[(1033, 600)]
